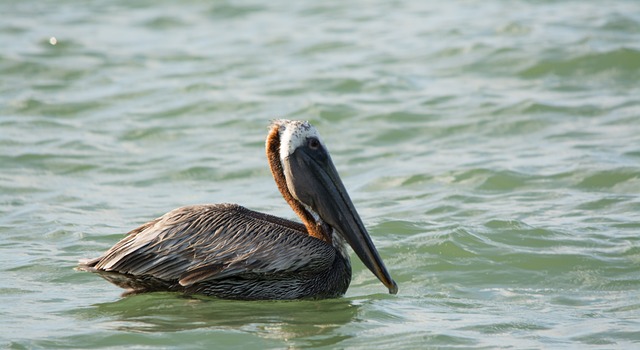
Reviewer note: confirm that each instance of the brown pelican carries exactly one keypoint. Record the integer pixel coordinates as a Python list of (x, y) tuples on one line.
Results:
[(228, 251)]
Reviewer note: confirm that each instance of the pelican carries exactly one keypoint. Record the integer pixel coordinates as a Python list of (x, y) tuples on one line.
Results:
[(230, 252)]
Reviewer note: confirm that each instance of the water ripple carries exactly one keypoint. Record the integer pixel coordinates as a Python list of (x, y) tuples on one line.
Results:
[(492, 151)]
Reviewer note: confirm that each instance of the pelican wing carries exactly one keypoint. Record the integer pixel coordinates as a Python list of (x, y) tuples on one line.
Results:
[(209, 242)]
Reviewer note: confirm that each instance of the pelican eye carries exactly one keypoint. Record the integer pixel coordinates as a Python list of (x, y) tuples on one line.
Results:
[(313, 143)]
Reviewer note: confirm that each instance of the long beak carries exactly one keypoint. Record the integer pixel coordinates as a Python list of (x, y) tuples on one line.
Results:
[(316, 183)]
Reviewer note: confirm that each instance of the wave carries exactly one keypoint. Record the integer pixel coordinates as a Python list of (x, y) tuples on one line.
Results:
[(621, 61)]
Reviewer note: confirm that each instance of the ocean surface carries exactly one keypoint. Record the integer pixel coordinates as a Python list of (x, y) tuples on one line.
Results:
[(492, 149)]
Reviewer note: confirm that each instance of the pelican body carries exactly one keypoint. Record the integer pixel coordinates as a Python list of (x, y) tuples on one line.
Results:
[(230, 252)]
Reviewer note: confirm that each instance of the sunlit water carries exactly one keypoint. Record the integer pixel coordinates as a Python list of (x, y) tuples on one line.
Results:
[(491, 147)]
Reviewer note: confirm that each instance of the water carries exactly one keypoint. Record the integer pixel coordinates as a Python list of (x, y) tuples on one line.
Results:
[(491, 147)]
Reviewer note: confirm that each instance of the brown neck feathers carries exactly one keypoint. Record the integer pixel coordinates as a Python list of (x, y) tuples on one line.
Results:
[(315, 229)]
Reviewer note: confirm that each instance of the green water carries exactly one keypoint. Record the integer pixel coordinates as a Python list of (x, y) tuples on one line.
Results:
[(492, 148)]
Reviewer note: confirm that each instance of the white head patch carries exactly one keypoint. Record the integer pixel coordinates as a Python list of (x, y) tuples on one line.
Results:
[(293, 134)]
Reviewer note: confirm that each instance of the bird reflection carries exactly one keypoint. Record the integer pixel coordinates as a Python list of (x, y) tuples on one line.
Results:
[(291, 322)]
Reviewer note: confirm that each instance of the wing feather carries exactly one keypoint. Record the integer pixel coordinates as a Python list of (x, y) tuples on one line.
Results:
[(208, 242)]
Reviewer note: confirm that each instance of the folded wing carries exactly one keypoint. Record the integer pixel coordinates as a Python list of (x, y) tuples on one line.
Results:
[(202, 243)]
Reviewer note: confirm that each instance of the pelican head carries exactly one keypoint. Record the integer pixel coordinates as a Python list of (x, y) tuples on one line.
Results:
[(309, 182)]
